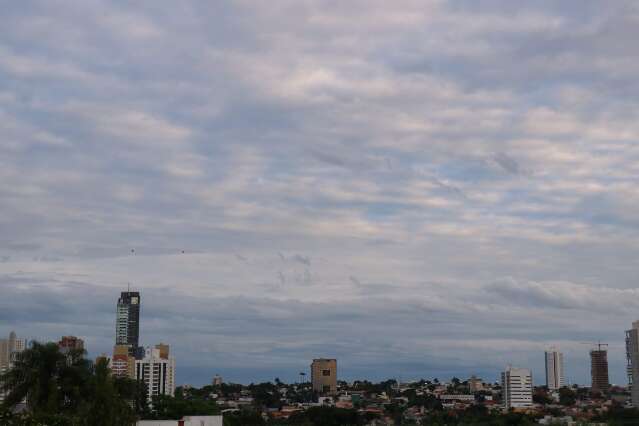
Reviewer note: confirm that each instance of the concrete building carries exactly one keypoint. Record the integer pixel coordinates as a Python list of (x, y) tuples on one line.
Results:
[(632, 356), (555, 378), (475, 384), (517, 388), (324, 375), (122, 364), (9, 350), (127, 322), (68, 343), (458, 398), (157, 371), (217, 380), (599, 370)]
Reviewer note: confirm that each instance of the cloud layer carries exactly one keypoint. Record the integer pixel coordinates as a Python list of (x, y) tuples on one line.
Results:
[(417, 188)]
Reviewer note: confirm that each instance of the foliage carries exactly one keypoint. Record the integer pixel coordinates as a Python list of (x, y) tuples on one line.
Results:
[(567, 396), (265, 394), (243, 418), (478, 415), (328, 416), (63, 389), (174, 408), (541, 396), (51, 382), (429, 402), (107, 401), (619, 416)]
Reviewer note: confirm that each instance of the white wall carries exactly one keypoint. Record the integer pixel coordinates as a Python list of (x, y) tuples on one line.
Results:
[(203, 421), (188, 421)]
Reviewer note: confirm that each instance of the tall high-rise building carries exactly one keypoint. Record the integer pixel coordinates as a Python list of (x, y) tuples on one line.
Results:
[(68, 343), (127, 322), (517, 387), (599, 370), (324, 375), (554, 369), (632, 356), (9, 350), (157, 371)]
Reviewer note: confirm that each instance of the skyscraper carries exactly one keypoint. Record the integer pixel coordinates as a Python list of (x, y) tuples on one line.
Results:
[(632, 355), (324, 375), (599, 369), (516, 387), (554, 369), (157, 371), (127, 322)]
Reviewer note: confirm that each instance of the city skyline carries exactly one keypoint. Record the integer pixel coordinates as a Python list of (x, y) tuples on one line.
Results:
[(553, 364), (417, 189), (127, 341)]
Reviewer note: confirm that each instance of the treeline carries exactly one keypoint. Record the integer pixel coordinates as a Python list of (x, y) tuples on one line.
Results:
[(314, 416)]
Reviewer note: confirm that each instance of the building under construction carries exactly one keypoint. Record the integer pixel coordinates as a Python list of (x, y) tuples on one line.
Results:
[(599, 369)]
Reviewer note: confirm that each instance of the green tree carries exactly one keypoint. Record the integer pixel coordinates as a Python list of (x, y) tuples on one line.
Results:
[(50, 381), (567, 396), (65, 389), (109, 400), (174, 408), (328, 416), (244, 418)]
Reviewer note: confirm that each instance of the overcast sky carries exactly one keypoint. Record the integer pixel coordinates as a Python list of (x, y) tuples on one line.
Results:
[(417, 188)]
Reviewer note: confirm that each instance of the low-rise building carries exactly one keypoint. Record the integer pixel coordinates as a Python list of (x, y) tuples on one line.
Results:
[(70, 343)]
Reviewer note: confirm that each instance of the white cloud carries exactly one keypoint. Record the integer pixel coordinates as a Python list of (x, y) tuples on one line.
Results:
[(412, 154)]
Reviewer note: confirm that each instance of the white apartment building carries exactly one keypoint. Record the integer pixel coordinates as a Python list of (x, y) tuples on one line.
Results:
[(517, 387), (554, 369), (632, 356), (157, 371)]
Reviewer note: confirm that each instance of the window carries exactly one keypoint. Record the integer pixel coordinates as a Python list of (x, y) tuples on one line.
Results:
[(326, 388), (326, 372)]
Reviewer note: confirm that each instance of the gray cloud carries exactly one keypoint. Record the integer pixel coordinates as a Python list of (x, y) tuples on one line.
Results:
[(304, 260), (509, 164), (364, 142)]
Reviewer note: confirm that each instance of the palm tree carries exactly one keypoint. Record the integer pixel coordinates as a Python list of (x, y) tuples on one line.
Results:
[(51, 382), (67, 389)]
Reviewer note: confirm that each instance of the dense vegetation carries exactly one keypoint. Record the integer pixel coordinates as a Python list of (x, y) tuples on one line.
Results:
[(66, 389)]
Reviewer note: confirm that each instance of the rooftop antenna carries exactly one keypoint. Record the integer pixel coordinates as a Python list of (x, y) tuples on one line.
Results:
[(128, 284)]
